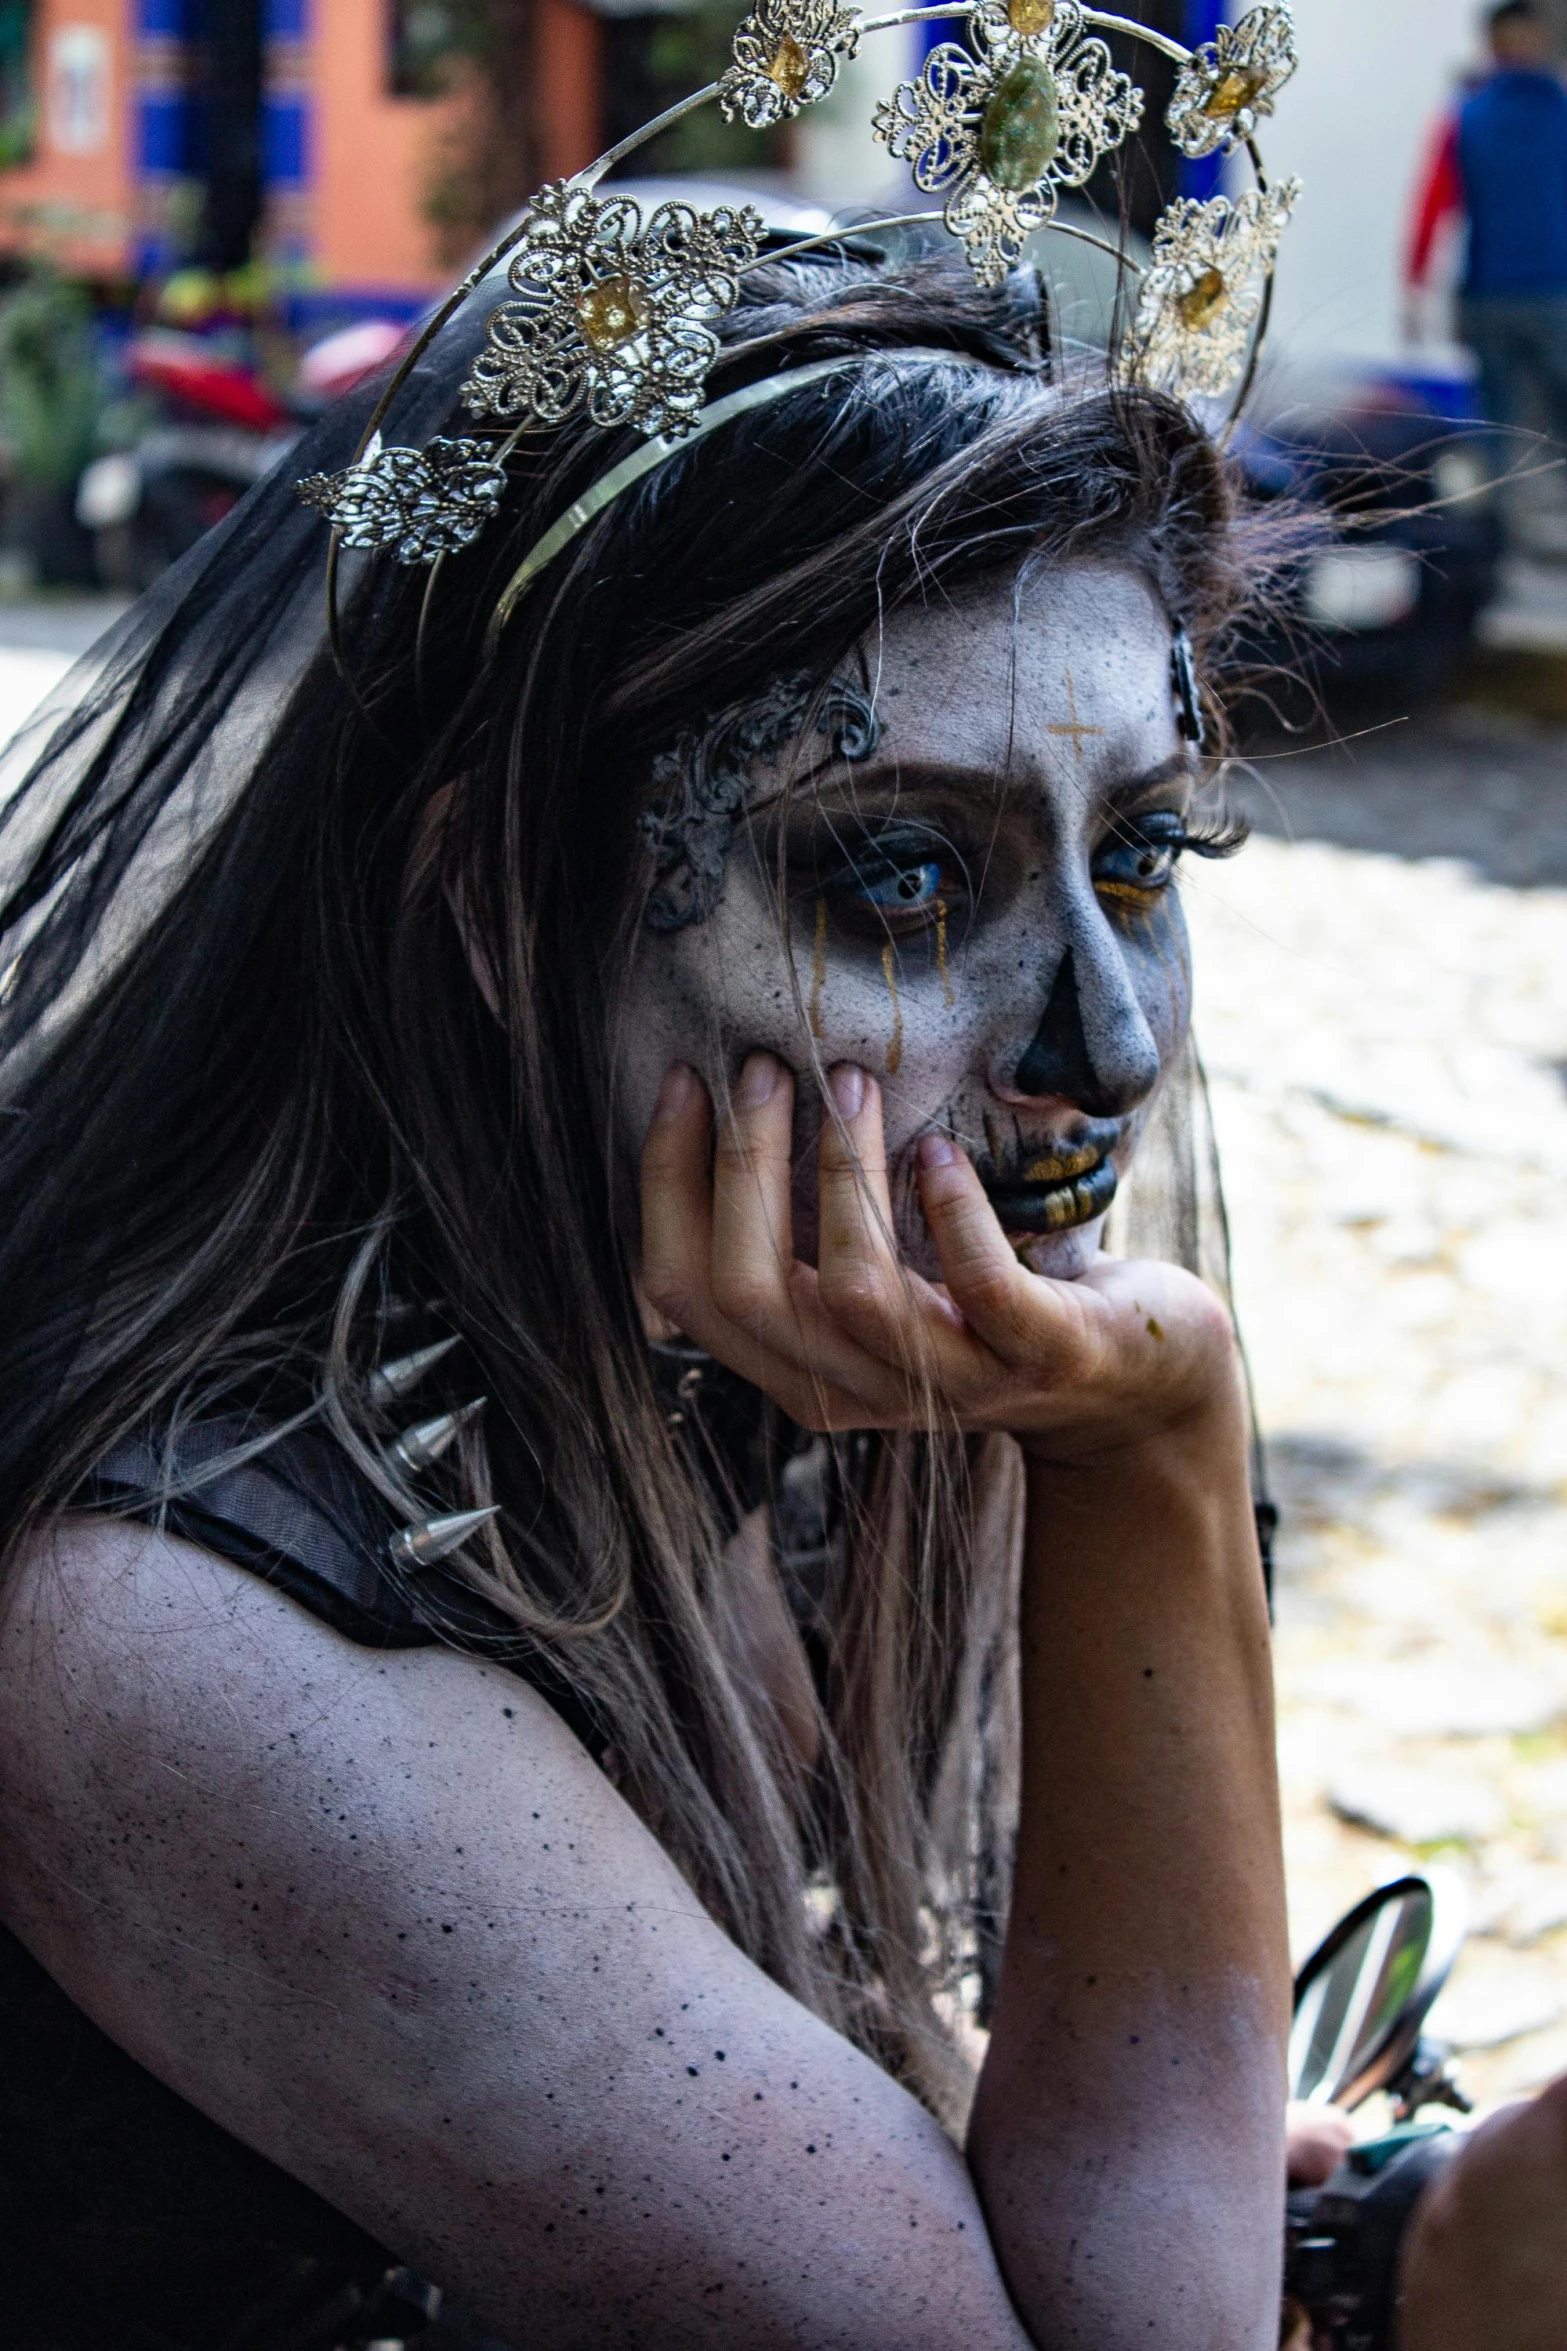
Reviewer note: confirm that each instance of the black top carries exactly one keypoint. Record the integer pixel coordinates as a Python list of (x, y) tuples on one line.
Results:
[(127, 2218)]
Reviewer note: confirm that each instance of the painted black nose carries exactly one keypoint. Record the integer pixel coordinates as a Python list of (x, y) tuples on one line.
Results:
[(1106, 1080)]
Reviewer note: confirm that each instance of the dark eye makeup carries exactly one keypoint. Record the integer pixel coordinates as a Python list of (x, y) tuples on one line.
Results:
[(1139, 859), (895, 879)]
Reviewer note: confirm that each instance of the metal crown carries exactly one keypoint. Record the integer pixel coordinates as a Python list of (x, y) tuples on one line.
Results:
[(615, 313)]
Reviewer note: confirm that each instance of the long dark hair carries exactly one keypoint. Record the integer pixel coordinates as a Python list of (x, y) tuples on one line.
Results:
[(253, 1094)]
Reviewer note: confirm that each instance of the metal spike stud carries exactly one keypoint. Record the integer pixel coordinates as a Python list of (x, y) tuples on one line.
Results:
[(434, 1539), (391, 1380), (427, 1440)]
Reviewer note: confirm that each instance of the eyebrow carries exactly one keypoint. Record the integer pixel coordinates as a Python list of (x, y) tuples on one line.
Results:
[(831, 783), (1182, 767)]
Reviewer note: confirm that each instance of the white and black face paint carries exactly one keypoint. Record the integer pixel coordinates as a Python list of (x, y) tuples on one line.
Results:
[(979, 898)]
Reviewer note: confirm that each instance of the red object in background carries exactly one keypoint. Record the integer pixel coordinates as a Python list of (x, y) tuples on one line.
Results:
[(1439, 199), (185, 369), (334, 366)]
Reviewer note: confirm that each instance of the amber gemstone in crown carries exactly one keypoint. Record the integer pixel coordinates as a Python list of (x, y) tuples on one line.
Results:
[(612, 312), (1021, 130), (1204, 301), (789, 66), (1233, 92), (1031, 17)]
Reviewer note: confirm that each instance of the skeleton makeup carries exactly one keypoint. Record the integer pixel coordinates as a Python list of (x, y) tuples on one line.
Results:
[(704, 782), (978, 900)]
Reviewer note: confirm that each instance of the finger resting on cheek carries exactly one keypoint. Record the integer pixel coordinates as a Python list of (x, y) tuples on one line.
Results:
[(753, 1229), (981, 1270), (676, 1193), (855, 1136), (854, 1202)]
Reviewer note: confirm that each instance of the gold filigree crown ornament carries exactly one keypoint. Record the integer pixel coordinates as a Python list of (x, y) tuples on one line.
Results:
[(615, 312)]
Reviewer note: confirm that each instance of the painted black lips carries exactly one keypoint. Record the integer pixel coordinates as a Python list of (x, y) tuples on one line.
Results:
[(1056, 1193)]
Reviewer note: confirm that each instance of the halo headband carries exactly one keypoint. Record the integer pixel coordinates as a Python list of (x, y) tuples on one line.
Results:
[(642, 461), (616, 312)]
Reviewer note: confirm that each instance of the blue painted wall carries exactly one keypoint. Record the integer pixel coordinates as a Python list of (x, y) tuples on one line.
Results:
[(1203, 19), (171, 130)]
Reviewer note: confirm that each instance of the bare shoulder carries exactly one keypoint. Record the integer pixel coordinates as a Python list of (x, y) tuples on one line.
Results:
[(154, 1696), (380, 1915)]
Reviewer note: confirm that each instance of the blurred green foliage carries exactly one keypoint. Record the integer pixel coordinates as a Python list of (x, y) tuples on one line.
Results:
[(649, 61), (684, 53), (51, 388), (18, 112)]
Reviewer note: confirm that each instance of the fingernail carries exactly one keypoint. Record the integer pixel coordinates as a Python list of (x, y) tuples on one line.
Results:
[(758, 1081), (675, 1094), (848, 1089), (937, 1151)]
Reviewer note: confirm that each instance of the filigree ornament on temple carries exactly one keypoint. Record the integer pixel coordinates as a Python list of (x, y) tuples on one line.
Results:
[(616, 314), (1203, 291), (1231, 82), (786, 56), (419, 503), (1004, 130)]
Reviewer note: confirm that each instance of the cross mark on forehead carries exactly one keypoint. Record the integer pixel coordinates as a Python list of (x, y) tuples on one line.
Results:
[(1074, 728)]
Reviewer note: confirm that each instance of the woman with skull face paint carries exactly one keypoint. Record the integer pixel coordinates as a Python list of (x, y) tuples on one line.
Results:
[(549, 1220)]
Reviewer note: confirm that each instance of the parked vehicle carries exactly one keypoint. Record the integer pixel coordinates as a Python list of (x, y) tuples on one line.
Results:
[(1387, 469), (1361, 2003), (218, 428), (1385, 600)]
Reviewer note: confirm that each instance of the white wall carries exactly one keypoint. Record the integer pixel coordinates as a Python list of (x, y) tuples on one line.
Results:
[(835, 157), (1374, 78)]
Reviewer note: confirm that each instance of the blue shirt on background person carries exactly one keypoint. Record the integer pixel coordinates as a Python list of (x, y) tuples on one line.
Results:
[(1512, 162), (1501, 163)]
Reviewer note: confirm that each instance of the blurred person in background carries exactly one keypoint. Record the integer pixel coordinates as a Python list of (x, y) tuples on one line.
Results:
[(1500, 165)]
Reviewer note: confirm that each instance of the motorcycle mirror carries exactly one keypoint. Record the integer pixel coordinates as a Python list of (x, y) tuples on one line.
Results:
[(1364, 1994)]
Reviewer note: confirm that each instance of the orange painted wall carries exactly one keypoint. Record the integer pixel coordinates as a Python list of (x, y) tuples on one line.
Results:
[(76, 207), (373, 156), (571, 69)]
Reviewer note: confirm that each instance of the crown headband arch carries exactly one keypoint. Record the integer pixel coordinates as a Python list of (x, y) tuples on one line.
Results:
[(616, 311)]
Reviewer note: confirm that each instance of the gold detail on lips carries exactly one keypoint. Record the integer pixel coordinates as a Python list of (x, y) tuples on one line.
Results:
[(1062, 1167), (1069, 1206)]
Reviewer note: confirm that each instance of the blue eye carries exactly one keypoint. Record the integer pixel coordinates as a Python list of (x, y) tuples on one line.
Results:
[(910, 889), (1137, 865), (1145, 861)]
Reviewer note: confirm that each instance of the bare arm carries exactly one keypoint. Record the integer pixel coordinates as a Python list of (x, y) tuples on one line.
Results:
[(1485, 2261), (1128, 2137), (1128, 2134), (381, 1917)]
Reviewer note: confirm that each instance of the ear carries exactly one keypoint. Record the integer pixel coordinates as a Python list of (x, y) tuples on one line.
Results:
[(429, 851)]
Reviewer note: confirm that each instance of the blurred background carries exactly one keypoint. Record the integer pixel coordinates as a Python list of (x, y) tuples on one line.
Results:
[(215, 215)]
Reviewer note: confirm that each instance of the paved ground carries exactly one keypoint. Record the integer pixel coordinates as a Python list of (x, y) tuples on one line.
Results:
[(1383, 1006)]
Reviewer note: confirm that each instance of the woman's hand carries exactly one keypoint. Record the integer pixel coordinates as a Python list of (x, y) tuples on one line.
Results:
[(1316, 2141), (1127, 2133), (1075, 1370)]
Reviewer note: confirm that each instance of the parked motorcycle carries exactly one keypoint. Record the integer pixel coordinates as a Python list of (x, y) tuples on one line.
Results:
[(1361, 2003), (219, 427)]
